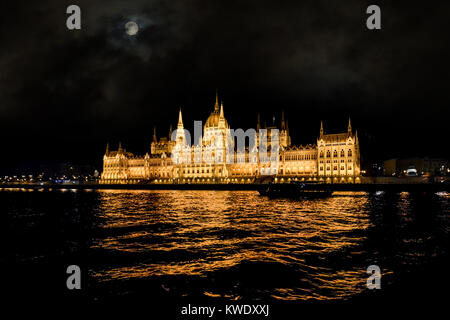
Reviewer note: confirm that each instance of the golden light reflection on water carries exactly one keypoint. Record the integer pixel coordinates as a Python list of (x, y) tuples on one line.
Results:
[(232, 244), (195, 233)]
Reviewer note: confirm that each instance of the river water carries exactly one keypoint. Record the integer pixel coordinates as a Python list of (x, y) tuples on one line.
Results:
[(220, 245)]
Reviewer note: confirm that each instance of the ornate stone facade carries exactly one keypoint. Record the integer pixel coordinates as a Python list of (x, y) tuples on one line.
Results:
[(217, 158)]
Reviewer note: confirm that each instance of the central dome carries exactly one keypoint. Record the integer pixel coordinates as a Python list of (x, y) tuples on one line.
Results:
[(213, 121), (215, 116)]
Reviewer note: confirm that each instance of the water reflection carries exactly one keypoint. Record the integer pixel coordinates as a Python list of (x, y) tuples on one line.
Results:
[(224, 244), (200, 233)]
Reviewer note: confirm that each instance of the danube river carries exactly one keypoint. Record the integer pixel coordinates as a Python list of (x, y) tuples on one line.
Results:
[(224, 245)]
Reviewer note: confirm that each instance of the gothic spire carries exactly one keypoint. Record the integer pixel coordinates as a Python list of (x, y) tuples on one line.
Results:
[(154, 135), (258, 124), (180, 120), (180, 136), (217, 106), (349, 129), (287, 133), (221, 110), (107, 149), (283, 123), (321, 128)]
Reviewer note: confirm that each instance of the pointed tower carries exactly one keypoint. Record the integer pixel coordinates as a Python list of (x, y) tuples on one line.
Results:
[(107, 149), (349, 129), (283, 133), (216, 106), (287, 133), (155, 140), (170, 132), (181, 138), (258, 129), (321, 128), (180, 120), (120, 150), (221, 110), (221, 116), (153, 145)]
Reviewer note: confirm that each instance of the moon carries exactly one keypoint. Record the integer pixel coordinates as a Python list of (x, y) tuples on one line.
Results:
[(131, 28)]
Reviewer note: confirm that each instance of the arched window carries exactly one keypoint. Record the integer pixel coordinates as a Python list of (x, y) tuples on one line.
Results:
[(349, 153), (335, 153), (342, 153), (321, 154), (328, 154)]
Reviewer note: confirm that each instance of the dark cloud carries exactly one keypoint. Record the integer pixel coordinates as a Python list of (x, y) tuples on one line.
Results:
[(63, 93)]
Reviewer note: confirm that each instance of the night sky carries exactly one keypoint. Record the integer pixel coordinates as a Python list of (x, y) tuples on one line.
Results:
[(65, 94)]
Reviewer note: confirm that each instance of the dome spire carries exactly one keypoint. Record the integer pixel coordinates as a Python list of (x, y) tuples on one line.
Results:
[(180, 120), (221, 117), (216, 106)]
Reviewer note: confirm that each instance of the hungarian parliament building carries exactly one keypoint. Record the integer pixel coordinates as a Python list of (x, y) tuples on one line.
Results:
[(217, 158)]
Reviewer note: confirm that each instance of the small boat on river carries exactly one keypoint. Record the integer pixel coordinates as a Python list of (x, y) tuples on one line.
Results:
[(293, 190)]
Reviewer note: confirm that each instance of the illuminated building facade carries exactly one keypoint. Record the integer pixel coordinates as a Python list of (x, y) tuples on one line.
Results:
[(217, 158)]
